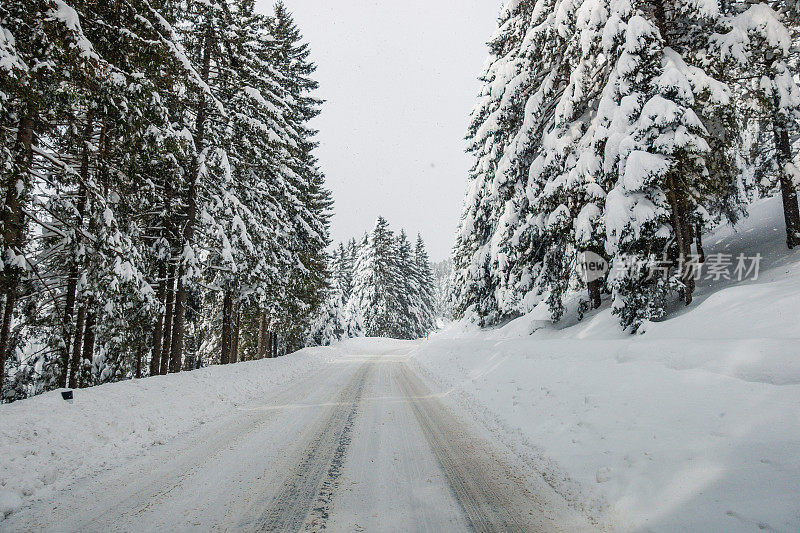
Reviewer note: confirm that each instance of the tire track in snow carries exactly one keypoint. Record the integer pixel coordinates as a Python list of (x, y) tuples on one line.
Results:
[(492, 497), (303, 501)]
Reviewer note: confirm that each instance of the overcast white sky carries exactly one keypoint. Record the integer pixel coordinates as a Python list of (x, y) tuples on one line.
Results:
[(400, 78)]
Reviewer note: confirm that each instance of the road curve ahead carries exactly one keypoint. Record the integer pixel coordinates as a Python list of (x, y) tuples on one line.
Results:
[(364, 444)]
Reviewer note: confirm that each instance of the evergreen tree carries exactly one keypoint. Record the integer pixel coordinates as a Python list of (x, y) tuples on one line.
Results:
[(494, 122), (161, 189), (375, 282), (427, 290), (310, 212), (410, 311)]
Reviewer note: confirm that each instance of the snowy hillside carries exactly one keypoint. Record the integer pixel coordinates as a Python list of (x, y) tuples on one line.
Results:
[(692, 426)]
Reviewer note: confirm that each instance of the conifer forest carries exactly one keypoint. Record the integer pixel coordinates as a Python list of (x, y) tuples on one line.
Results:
[(262, 269)]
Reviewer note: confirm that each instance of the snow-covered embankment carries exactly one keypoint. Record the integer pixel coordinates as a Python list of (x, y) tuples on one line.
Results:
[(47, 443), (692, 426)]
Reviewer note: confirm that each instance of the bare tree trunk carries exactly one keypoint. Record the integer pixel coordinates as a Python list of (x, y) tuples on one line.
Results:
[(138, 366), (72, 278), (593, 288), (179, 321), (261, 350), (89, 336), (13, 220), (77, 345), (235, 340), (270, 350), (680, 239), (227, 328), (69, 310), (791, 213), (8, 311), (158, 331), (168, 312), (701, 253)]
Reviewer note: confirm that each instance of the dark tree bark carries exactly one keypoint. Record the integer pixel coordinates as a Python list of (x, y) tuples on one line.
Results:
[(701, 253), (68, 326), (235, 340), (593, 288), (791, 213), (158, 330), (68, 331), (182, 292), (138, 366), (13, 220), (77, 346), (684, 252), (168, 313), (89, 336), (261, 350), (8, 311), (227, 328)]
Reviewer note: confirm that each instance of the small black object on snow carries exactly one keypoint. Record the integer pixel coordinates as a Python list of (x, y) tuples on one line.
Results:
[(67, 394)]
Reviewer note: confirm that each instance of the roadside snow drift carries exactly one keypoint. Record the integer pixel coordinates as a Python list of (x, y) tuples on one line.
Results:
[(47, 443), (692, 426)]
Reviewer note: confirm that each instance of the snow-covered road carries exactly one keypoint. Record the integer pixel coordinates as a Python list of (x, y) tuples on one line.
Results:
[(360, 444)]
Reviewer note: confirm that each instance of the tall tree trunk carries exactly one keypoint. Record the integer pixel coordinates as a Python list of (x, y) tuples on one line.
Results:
[(74, 270), (139, 355), (169, 306), (8, 311), (235, 340), (698, 234), (593, 288), (89, 336), (261, 350), (67, 324), (158, 331), (783, 154), (13, 220), (77, 346), (227, 328), (680, 240), (179, 321)]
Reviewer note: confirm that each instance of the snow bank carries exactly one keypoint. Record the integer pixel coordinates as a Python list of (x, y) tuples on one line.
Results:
[(692, 426), (46, 442)]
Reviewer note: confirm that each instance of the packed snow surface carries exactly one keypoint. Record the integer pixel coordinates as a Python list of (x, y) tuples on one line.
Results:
[(692, 426), (358, 443)]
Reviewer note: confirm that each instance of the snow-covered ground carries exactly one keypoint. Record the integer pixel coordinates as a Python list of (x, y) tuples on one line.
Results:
[(692, 426), (47, 443), (357, 441)]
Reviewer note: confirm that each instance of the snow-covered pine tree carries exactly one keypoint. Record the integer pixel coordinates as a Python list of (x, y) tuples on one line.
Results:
[(427, 289), (343, 269), (375, 282), (565, 66), (332, 322), (756, 44), (655, 117), (494, 121), (442, 274), (311, 214), (249, 207), (409, 312), (51, 65)]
